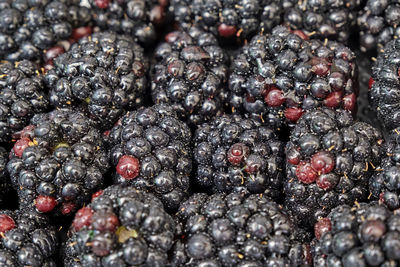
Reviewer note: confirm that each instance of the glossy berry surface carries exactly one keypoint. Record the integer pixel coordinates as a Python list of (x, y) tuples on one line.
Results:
[(234, 229), (137, 18), (150, 149), (105, 73), (330, 158), (366, 234), (190, 75), (29, 28), (22, 95), (320, 19), (228, 19), (384, 184), (62, 163), (279, 76), (27, 239), (121, 227), (384, 91), (378, 23), (234, 152)]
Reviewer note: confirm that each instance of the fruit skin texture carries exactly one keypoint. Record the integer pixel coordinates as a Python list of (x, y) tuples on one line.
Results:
[(105, 73), (28, 28), (237, 230), (366, 234), (137, 18), (190, 75), (228, 19), (385, 89), (330, 159), (385, 181), (150, 149), (378, 23), (22, 94), (28, 239), (233, 152), (5, 184), (63, 163), (279, 76), (121, 227), (319, 19)]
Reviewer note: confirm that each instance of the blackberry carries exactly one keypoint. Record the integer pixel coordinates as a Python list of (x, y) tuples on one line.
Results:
[(281, 75), (333, 19), (150, 149), (385, 182), (232, 151), (27, 28), (22, 94), (27, 239), (237, 230), (137, 18), (104, 72), (5, 184), (330, 159), (362, 235), (190, 75), (58, 162), (384, 85), (121, 227), (227, 18), (378, 23)]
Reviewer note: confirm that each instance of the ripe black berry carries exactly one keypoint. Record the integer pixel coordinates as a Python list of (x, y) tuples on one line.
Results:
[(58, 162), (150, 149), (280, 76), (330, 159)]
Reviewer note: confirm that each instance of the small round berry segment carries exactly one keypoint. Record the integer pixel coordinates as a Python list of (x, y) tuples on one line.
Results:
[(128, 167), (6, 223), (329, 161), (45, 203)]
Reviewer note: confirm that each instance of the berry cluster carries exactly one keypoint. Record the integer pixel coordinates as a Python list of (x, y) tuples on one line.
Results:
[(212, 133)]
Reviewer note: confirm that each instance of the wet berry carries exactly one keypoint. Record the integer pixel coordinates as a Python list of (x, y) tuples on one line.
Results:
[(128, 167), (45, 203)]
